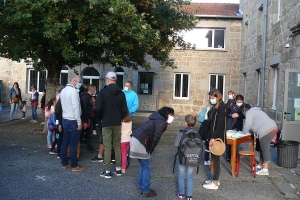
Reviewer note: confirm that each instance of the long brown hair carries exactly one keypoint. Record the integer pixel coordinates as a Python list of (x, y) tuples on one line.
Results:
[(216, 93), (127, 118)]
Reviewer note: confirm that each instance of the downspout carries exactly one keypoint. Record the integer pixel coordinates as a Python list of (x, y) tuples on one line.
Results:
[(264, 42)]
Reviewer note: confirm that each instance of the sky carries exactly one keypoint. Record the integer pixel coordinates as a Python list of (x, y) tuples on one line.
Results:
[(214, 1)]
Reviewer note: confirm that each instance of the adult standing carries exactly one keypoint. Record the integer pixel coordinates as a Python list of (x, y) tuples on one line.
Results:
[(111, 108), (34, 99), (71, 123), (14, 98), (87, 114), (264, 128), (216, 129), (143, 141), (43, 103), (132, 98)]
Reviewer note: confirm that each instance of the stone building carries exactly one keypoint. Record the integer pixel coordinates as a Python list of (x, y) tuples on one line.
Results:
[(270, 60), (212, 62)]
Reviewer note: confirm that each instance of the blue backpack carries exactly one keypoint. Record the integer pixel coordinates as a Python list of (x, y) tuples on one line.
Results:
[(202, 114), (51, 123)]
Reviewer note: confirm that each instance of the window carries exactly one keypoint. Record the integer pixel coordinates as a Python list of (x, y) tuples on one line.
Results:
[(181, 86), (258, 86), (64, 76), (279, 11), (90, 76), (276, 11), (120, 77), (217, 81), (145, 83), (205, 38), (275, 68), (37, 78)]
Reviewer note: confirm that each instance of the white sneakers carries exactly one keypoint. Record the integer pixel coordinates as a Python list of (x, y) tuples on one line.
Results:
[(209, 184), (263, 172), (259, 167), (94, 132), (207, 162)]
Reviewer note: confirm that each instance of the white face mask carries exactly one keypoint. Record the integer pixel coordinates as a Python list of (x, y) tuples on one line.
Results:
[(230, 96), (170, 119), (126, 88), (239, 104)]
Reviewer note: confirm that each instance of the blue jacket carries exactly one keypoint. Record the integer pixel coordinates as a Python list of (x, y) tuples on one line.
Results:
[(51, 122), (12, 94), (132, 100)]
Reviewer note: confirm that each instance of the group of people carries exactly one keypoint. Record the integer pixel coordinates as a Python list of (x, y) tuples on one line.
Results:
[(113, 108)]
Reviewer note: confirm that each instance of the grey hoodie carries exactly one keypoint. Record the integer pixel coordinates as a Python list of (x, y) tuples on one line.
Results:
[(258, 122)]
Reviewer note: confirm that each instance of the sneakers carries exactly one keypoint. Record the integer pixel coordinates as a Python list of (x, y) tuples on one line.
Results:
[(263, 172), (152, 193), (49, 146), (118, 172), (207, 162), (208, 181), (23, 117), (94, 132), (58, 156), (180, 196), (52, 152), (29, 121), (78, 169), (96, 159), (258, 167), (66, 166), (105, 174), (211, 186), (34, 121), (123, 171), (42, 123), (189, 198)]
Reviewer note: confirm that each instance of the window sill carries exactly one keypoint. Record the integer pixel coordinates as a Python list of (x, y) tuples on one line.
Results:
[(180, 98), (205, 49)]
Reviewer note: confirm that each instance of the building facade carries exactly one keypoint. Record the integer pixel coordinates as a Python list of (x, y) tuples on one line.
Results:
[(270, 60), (213, 61)]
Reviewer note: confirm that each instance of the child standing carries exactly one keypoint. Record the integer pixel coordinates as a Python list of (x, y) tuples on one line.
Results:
[(94, 118), (126, 130), (190, 122), (23, 108), (49, 110)]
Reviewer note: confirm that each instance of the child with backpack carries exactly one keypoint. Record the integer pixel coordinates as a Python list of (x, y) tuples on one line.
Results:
[(53, 126), (189, 152), (23, 108), (49, 110)]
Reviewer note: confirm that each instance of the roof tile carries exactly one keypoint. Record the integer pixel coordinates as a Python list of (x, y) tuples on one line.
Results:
[(221, 9)]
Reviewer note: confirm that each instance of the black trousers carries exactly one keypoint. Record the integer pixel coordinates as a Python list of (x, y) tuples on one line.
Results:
[(217, 167)]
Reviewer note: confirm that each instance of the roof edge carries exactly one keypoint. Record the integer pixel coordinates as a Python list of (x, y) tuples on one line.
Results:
[(219, 16)]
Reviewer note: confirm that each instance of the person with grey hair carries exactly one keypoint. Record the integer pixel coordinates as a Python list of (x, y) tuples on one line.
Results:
[(132, 98), (264, 128), (111, 108), (71, 123)]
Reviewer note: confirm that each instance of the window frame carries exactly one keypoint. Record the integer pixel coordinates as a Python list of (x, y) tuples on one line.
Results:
[(258, 86), (38, 79), (275, 87), (63, 72), (139, 84), (213, 33), (224, 81), (181, 85)]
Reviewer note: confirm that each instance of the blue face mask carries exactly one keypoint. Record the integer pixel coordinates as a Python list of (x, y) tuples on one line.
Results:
[(78, 85), (213, 101)]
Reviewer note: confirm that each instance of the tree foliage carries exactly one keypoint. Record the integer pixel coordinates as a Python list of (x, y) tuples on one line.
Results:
[(53, 33)]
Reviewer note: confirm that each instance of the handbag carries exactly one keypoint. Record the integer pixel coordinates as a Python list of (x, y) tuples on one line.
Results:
[(219, 147), (15, 100)]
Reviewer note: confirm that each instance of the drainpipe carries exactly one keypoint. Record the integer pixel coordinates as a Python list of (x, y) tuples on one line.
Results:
[(264, 41)]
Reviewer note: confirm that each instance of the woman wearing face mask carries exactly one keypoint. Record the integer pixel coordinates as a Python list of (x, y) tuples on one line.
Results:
[(143, 141), (231, 99), (216, 129), (15, 97), (34, 99), (235, 119)]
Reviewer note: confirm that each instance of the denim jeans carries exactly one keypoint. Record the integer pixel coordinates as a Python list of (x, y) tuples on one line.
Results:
[(23, 114), (111, 137), (50, 137), (189, 171), (13, 110), (70, 136), (144, 175), (34, 114)]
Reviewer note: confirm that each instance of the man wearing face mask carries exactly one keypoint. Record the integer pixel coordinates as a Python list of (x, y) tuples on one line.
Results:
[(132, 98), (71, 113), (235, 119), (111, 108)]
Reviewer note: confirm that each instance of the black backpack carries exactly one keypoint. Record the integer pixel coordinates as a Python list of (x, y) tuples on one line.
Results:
[(190, 149)]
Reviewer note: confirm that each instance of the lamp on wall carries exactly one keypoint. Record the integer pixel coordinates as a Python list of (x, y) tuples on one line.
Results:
[(288, 40)]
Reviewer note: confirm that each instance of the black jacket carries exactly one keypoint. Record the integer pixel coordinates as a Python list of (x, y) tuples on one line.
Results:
[(86, 106), (235, 123), (149, 133), (111, 106), (217, 126)]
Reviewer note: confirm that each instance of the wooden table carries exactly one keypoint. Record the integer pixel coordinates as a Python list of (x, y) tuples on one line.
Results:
[(234, 142)]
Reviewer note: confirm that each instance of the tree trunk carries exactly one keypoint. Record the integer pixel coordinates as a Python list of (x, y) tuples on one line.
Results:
[(51, 82)]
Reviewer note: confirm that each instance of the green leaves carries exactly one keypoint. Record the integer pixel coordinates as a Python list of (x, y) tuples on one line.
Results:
[(65, 32)]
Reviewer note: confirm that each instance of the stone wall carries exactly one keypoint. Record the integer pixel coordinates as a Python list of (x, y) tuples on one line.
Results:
[(277, 56)]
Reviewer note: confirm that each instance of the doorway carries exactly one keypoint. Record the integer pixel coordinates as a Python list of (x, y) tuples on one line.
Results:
[(91, 76), (291, 112)]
